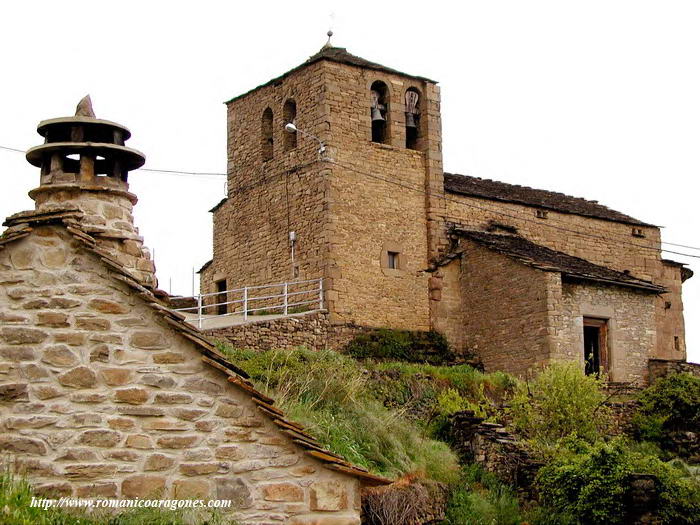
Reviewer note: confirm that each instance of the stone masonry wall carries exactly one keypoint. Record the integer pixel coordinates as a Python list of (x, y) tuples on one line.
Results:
[(269, 198), (310, 330), (369, 216), (659, 368), (614, 246), (100, 397), (631, 329), (507, 309)]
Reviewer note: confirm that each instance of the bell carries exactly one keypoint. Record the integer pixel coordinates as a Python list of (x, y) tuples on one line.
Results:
[(410, 120), (377, 114)]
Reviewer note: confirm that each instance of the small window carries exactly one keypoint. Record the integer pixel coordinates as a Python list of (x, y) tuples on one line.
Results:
[(289, 114), (638, 232), (221, 295), (677, 343), (412, 118), (379, 112), (392, 260), (541, 214), (266, 140)]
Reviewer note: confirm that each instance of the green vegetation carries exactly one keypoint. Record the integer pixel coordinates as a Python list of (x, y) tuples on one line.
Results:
[(328, 393), (560, 402), (671, 404), (16, 497), (401, 345), (593, 482)]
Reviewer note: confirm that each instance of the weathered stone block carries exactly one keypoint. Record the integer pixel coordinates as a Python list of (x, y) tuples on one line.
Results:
[(172, 398), (89, 471), (79, 377), (59, 355), (198, 384), (92, 324), (100, 438), (35, 372), (143, 486), (106, 306), (141, 411), (53, 490), (121, 423), (230, 452), (198, 469), (139, 441), (78, 454), (328, 496), (97, 490), (116, 376), (177, 441), (165, 424), (52, 319), (168, 358), (16, 335), (29, 422), (47, 391), (17, 353), (236, 490), (282, 492), (14, 392), (158, 381), (191, 489), (148, 340), (158, 462), (133, 396)]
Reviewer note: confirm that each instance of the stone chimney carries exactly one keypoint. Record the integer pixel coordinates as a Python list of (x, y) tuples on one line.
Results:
[(85, 166)]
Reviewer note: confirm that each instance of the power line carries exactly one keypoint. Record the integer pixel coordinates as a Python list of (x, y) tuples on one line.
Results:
[(420, 190), (462, 203)]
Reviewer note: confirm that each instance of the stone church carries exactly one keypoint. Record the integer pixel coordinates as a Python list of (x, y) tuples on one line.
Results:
[(355, 193)]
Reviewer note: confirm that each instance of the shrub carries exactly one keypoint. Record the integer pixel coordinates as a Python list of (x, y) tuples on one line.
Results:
[(401, 345), (561, 401), (671, 404), (481, 499), (595, 484)]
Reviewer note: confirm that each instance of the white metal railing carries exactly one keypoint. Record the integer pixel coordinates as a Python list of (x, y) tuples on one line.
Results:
[(294, 296)]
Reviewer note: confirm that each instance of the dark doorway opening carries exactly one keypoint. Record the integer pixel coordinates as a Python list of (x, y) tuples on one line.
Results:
[(595, 345), (221, 309)]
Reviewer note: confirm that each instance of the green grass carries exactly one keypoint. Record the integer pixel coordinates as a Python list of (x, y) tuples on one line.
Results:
[(330, 394), (16, 497)]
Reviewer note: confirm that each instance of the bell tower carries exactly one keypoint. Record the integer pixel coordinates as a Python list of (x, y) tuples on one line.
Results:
[(85, 166)]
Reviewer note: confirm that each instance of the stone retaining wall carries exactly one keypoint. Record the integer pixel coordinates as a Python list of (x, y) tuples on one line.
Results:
[(659, 368), (310, 330)]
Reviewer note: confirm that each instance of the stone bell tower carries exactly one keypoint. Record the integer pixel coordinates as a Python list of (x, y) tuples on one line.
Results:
[(85, 166)]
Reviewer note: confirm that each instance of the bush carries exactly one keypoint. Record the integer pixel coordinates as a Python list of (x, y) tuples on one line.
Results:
[(560, 402), (327, 392), (401, 345), (481, 499), (671, 404), (593, 483)]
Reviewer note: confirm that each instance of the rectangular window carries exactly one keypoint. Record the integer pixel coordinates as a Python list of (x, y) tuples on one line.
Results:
[(638, 232), (392, 260), (220, 296), (541, 214)]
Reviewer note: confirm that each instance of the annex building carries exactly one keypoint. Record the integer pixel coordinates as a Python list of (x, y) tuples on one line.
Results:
[(357, 196)]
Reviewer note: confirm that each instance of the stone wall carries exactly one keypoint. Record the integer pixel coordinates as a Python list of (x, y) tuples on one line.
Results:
[(614, 246), (267, 199), (631, 327), (99, 396), (659, 368), (507, 310), (309, 330)]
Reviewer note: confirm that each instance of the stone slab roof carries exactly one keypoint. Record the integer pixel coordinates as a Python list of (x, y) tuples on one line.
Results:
[(23, 224), (550, 200), (545, 259), (341, 56)]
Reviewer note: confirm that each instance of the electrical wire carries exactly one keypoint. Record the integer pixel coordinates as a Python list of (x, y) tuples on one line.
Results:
[(419, 190)]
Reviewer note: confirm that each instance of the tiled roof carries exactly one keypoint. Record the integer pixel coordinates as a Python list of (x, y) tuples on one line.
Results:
[(501, 191), (341, 56), (22, 224), (543, 258)]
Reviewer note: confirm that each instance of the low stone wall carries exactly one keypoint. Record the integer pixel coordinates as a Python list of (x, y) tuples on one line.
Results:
[(495, 449), (659, 368), (310, 330)]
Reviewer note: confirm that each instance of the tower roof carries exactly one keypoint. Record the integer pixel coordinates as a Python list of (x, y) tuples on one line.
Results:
[(339, 55)]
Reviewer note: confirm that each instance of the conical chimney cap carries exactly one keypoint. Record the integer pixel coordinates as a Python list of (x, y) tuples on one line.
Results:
[(84, 108)]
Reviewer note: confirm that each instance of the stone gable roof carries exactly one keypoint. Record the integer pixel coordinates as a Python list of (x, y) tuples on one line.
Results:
[(513, 193), (339, 55), (545, 259), (23, 224)]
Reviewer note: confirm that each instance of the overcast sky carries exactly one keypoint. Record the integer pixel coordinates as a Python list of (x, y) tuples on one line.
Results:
[(597, 99)]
